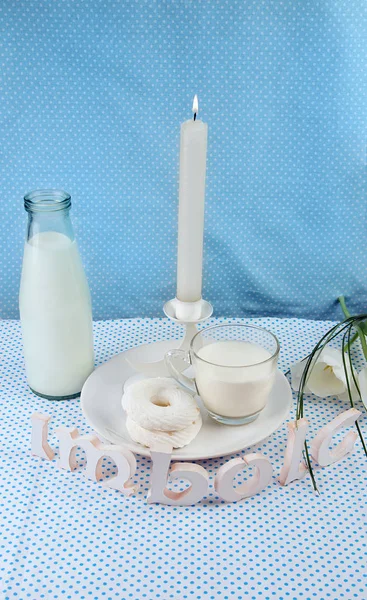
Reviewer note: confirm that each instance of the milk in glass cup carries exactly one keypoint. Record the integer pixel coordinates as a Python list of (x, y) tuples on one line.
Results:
[(235, 367)]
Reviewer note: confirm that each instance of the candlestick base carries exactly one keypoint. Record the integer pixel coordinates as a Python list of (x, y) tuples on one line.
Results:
[(189, 314)]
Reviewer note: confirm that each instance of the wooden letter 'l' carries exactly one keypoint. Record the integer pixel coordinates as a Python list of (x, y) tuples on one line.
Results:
[(40, 446), (294, 467)]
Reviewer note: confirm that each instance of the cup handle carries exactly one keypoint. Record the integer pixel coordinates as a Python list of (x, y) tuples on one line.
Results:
[(184, 356)]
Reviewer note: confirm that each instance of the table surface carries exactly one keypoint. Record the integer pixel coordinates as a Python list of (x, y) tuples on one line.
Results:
[(64, 536)]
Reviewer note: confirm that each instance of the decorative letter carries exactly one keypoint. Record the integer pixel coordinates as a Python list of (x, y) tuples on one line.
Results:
[(40, 445), (158, 493), (294, 467), (320, 446), (95, 451), (223, 481)]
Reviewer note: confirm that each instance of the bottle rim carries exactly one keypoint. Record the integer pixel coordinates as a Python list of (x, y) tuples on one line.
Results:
[(48, 200)]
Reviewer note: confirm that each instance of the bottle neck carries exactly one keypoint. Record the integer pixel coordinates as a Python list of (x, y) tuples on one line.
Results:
[(59, 222), (48, 211)]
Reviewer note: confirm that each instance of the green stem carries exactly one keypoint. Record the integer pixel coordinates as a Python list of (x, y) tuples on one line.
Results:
[(361, 437), (351, 367), (309, 466), (344, 307), (359, 328), (347, 334), (362, 337), (348, 346)]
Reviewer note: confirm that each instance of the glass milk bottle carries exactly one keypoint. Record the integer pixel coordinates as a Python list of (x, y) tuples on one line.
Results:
[(54, 300)]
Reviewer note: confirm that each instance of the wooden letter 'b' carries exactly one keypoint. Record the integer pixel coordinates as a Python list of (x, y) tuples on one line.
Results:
[(95, 451), (158, 493)]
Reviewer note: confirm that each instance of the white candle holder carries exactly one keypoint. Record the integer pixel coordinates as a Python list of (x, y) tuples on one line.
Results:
[(148, 359)]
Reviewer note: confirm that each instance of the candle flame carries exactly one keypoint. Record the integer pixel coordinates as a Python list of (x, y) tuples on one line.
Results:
[(195, 105)]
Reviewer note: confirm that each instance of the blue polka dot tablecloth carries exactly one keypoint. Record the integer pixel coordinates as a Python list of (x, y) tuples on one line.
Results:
[(64, 537)]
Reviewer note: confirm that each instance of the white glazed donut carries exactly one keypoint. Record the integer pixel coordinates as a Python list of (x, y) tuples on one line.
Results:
[(159, 403), (177, 439)]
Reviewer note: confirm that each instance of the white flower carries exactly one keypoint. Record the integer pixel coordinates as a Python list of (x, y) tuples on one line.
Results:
[(326, 376), (296, 374)]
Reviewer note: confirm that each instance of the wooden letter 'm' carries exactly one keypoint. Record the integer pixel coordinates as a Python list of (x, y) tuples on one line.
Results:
[(95, 451)]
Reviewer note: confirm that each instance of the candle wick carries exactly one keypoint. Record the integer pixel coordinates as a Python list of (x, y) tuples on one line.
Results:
[(194, 116)]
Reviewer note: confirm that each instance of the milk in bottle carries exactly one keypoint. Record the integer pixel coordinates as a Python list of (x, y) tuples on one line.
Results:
[(54, 300)]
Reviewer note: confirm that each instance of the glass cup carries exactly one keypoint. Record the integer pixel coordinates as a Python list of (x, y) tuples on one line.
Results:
[(234, 367)]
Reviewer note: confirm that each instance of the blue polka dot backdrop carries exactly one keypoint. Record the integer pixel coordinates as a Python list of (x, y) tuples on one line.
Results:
[(63, 536), (92, 97)]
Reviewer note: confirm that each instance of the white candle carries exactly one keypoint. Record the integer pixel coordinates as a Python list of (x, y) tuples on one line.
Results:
[(193, 146)]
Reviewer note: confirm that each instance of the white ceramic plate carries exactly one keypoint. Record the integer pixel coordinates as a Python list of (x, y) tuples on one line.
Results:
[(101, 405)]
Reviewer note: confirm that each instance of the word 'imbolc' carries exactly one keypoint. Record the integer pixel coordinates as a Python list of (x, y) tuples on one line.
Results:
[(161, 455)]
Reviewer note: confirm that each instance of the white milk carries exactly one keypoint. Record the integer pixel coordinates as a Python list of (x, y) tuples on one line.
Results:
[(56, 315), (229, 390)]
